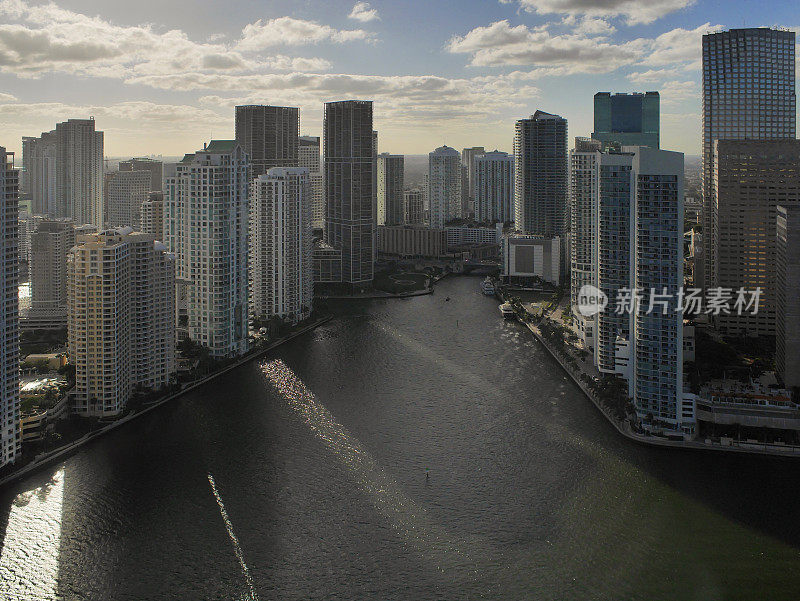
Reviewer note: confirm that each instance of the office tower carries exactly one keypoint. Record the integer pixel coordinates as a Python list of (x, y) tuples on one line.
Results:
[(349, 187), (627, 119), (414, 210), (541, 175), (39, 162), (156, 169), (787, 326), (750, 179), (205, 225), (50, 245), (281, 245), (151, 215), (121, 319), (493, 189), (269, 135), (468, 157), (444, 186), (10, 437), (390, 189), (79, 172), (125, 191), (310, 159), (748, 93)]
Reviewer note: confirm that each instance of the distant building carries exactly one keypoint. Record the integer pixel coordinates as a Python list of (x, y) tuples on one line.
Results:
[(205, 225), (310, 159), (125, 191), (269, 135), (627, 119), (409, 242), (155, 168), (281, 245), (151, 215), (39, 157), (390, 189), (529, 261), (468, 156), (10, 436), (413, 207), (542, 175), (493, 186), (444, 186), (787, 285), (462, 234), (121, 319)]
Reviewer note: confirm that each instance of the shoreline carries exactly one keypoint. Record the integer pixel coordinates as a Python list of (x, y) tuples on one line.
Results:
[(624, 428), (69, 448)]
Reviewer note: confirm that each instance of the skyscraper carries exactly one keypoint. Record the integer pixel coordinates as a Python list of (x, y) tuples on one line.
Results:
[(444, 186), (121, 318), (269, 135), (39, 161), (50, 245), (281, 245), (787, 327), (10, 438), (493, 187), (125, 191), (748, 93), (542, 175), (310, 159), (156, 169), (205, 225), (468, 156), (414, 210), (151, 215), (349, 187), (627, 119), (390, 188)]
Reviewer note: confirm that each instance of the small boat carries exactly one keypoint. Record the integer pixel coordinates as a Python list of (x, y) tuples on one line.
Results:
[(487, 286), (508, 311)]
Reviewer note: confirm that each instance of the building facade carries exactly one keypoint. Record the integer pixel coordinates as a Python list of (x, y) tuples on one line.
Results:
[(50, 245), (787, 287), (125, 191), (468, 156), (121, 319), (281, 282), (444, 186), (627, 119), (390, 189), (413, 207), (151, 215), (269, 135), (492, 191), (405, 241), (310, 159), (748, 93), (205, 226), (154, 167)]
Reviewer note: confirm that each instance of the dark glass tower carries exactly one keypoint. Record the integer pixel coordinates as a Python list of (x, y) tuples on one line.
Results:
[(627, 119), (269, 135)]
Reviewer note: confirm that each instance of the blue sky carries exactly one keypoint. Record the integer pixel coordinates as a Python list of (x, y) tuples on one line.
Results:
[(163, 76)]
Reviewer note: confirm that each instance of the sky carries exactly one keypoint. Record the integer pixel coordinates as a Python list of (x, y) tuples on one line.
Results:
[(163, 76)]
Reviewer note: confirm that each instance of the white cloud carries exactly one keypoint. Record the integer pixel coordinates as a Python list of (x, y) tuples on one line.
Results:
[(4, 98), (634, 11), (362, 12), (288, 31)]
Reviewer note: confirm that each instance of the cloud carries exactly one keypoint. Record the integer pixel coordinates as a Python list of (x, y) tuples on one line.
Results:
[(634, 11), (4, 98), (288, 31), (362, 12)]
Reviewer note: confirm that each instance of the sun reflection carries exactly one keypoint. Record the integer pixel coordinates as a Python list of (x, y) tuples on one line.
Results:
[(29, 557)]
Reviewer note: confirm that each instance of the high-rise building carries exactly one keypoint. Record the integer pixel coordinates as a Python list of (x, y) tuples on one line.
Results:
[(269, 135), (413, 208), (493, 186), (750, 179), (468, 156), (787, 326), (50, 245), (444, 186), (39, 162), (542, 175), (205, 225), (281, 245), (125, 191), (348, 167), (151, 215), (627, 119), (390, 188), (10, 437), (310, 159), (156, 169), (121, 318), (748, 94)]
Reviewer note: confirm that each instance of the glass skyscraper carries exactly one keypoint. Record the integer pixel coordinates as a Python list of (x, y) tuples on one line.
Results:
[(627, 119), (748, 94)]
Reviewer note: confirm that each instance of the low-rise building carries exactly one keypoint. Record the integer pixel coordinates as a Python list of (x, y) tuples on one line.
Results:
[(529, 261), (409, 242)]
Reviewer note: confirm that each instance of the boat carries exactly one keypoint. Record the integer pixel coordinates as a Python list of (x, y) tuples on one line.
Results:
[(487, 286), (508, 311)]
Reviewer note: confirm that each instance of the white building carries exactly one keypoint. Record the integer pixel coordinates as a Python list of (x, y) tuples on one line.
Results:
[(390, 189), (121, 318), (529, 261), (444, 186), (10, 437), (310, 159), (281, 279), (125, 191), (205, 225), (493, 186), (151, 215)]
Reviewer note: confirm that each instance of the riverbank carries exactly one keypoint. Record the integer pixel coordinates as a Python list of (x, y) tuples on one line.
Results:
[(624, 427), (66, 450)]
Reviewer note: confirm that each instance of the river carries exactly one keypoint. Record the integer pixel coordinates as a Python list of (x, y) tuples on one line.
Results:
[(408, 449)]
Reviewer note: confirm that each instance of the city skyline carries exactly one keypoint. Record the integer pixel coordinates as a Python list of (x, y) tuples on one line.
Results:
[(437, 75)]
